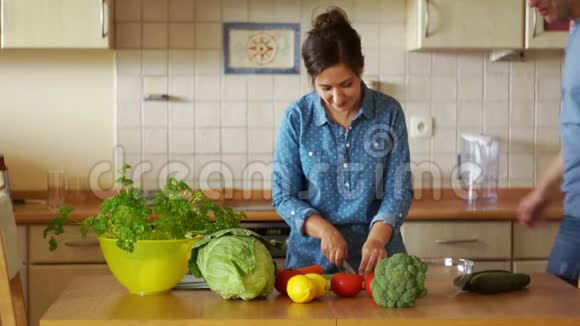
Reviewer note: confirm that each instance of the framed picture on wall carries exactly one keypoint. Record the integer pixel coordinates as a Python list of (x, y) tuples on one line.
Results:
[(261, 48)]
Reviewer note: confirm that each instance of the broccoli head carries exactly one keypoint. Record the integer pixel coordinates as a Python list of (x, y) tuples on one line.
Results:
[(399, 281)]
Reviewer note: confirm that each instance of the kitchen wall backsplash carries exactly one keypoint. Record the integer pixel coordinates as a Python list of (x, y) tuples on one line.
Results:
[(219, 130)]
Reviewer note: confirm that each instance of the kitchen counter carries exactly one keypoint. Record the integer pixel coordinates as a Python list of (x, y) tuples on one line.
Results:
[(427, 205), (100, 300)]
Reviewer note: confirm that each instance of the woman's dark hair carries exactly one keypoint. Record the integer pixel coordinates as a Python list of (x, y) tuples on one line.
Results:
[(332, 41)]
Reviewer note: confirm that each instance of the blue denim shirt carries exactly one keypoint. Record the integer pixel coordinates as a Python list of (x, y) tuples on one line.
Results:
[(352, 178), (570, 124)]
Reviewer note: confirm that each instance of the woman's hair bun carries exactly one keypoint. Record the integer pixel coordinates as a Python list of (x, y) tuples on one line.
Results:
[(332, 18)]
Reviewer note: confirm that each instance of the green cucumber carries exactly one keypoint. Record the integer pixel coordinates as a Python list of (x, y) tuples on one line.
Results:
[(495, 281)]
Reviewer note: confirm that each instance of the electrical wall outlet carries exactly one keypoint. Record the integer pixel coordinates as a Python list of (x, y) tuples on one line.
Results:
[(420, 126)]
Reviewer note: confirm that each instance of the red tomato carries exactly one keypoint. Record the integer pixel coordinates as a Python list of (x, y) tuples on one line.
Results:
[(346, 285), (284, 275), (316, 269), (368, 281)]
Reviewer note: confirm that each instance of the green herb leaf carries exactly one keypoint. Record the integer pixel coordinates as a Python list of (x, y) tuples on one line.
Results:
[(185, 213), (56, 226), (182, 213)]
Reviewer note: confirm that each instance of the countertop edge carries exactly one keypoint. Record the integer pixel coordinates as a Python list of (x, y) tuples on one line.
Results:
[(553, 214), (428, 205)]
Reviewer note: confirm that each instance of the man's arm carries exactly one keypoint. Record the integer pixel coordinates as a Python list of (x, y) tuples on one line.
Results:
[(550, 182), (531, 207)]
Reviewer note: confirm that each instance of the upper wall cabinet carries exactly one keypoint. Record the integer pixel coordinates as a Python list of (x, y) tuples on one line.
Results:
[(465, 24), (56, 24), (540, 36)]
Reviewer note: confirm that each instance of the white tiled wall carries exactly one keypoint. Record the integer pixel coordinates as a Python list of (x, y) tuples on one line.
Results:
[(221, 128)]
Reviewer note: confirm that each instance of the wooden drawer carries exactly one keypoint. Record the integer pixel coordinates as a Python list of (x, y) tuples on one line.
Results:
[(534, 243), (72, 247), (474, 240), (494, 264), (530, 266)]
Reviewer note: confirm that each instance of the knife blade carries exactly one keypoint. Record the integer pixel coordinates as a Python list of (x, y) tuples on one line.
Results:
[(346, 266)]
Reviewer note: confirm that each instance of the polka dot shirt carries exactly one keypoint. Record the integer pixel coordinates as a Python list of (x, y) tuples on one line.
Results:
[(352, 177)]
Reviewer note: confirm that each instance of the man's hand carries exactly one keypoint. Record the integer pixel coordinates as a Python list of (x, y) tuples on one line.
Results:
[(532, 206), (530, 209)]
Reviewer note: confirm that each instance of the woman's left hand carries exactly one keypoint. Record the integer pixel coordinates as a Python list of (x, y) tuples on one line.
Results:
[(373, 251)]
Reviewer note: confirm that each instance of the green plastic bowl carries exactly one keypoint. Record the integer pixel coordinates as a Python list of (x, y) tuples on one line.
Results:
[(154, 266)]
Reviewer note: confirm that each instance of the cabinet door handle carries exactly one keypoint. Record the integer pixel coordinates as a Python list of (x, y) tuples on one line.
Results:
[(82, 243), (535, 22), (426, 18), (458, 241), (103, 31)]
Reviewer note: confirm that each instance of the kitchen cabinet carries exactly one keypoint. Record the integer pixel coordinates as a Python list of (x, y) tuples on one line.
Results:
[(532, 246), (527, 266), (479, 240), (537, 37), (50, 272), (72, 247), (490, 265), (488, 243), (464, 24), (56, 24), (534, 243)]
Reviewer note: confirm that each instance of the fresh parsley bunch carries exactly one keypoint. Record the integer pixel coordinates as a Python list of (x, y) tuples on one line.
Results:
[(185, 213), (182, 213)]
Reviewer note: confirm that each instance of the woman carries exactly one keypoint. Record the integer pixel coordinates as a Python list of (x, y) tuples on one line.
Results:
[(341, 176)]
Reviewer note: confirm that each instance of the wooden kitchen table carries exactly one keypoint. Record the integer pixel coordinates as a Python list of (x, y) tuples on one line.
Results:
[(100, 300)]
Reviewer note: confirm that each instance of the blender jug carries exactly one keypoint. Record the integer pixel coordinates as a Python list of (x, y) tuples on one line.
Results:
[(479, 166)]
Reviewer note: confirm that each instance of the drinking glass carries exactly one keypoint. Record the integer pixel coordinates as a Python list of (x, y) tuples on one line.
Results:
[(56, 188)]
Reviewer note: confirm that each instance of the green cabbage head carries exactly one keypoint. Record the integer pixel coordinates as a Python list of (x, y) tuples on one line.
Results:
[(235, 263)]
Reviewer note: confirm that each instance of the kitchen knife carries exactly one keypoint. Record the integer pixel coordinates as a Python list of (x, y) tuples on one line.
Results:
[(346, 266)]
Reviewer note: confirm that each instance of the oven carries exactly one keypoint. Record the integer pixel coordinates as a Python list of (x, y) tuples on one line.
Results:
[(277, 231)]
